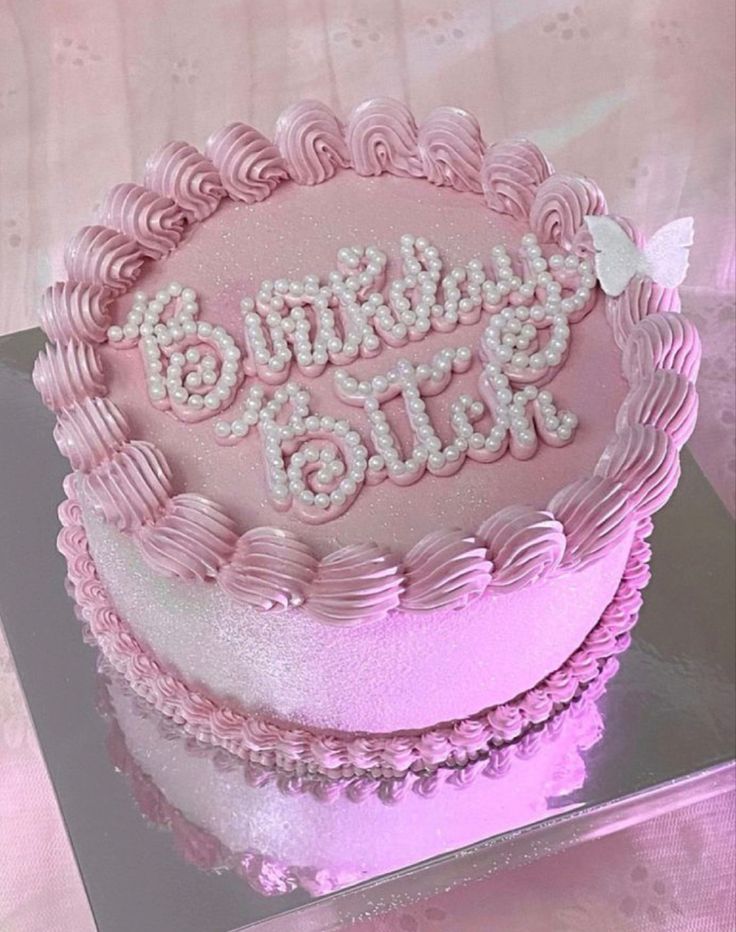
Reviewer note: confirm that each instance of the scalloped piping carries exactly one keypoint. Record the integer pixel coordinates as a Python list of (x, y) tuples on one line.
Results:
[(89, 336), (300, 750)]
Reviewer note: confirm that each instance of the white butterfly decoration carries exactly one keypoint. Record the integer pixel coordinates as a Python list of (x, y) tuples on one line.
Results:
[(664, 259)]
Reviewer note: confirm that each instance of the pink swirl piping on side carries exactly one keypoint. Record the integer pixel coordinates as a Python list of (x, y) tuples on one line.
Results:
[(130, 488), (272, 745), (66, 374), (192, 539), (155, 222), (640, 298), (103, 256), (510, 175), (89, 432), (355, 585), (667, 401), (270, 569), (381, 137), (182, 173), (524, 546), (451, 149), (596, 514), (446, 569), (75, 311), (310, 139), (662, 341), (646, 462), (250, 166), (560, 206)]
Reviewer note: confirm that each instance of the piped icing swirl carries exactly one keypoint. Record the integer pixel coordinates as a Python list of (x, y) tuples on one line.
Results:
[(270, 569), (250, 166), (310, 139), (75, 310), (88, 432), (381, 137), (130, 488), (155, 222), (666, 400), (356, 584), (662, 341), (524, 545), (596, 514), (446, 569), (66, 374), (451, 149), (100, 255), (192, 539), (646, 462), (182, 173), (560, 206), (639, 299), (510, 174)]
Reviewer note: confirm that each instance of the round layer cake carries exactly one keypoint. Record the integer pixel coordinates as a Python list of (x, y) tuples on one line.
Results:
[(361, 449)]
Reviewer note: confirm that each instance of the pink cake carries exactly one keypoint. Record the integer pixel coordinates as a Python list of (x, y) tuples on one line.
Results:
[(365, 423)]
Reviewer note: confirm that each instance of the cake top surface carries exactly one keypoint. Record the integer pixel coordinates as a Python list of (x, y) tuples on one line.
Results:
[(393, 389)]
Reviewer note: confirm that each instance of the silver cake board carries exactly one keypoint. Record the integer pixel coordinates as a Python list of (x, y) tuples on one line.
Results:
[(669, 712)]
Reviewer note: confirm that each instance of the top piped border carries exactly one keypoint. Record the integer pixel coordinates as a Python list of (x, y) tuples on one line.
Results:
[(187, 536)]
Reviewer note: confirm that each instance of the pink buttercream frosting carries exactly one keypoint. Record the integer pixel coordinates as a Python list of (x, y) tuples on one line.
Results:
[(131, 487), (66, 374), (524, 545), (356, 585), (310, 139), (250, 166), (180, 172), (596, 514), (89, 432), (381, 137), (192, 539), (446, 569), (560, 206), (662, 341), (269, 569), (510, 175), (75, 311), (103, 256), (155, 222), (130, 482), (646, 462), (451, 149), (666, 400), (639, 299)]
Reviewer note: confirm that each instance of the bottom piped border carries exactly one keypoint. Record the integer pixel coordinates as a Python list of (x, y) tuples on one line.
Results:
[(271, 876), (300, 751)]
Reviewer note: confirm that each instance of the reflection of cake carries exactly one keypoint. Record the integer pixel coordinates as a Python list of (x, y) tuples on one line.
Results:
[(368, 517), (282, 831)]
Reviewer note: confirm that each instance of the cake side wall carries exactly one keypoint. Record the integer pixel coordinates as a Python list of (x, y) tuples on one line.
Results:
[(407, 671)]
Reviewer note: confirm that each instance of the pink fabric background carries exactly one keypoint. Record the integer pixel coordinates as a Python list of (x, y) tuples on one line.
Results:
[(639, 94)]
